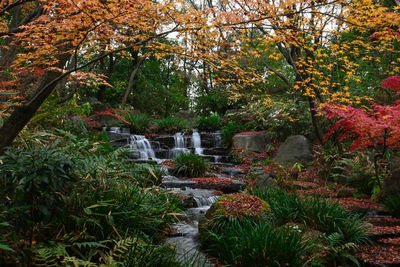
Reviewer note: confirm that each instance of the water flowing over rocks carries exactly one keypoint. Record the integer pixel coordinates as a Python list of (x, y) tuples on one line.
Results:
[(195, 194), (163, 147)]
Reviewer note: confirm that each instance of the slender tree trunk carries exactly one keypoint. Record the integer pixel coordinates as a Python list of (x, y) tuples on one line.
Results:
[(314, 119), (23, 114), (131, 81)]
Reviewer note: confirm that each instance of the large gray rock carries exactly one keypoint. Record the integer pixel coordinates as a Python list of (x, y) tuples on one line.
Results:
[(391, 184), (296, 148), (251, 142), (266, 180)]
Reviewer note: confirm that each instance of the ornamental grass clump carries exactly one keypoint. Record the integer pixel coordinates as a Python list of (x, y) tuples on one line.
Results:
[(251, 242), (190, 165)]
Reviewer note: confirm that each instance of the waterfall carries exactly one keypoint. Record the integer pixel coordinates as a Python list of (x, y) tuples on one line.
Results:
[(180, 145), (196, 143), (140, 144), (217, 139), (179, 140), (115, 130), (205, 201)]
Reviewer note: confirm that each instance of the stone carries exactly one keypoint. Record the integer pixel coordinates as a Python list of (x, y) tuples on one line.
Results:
[(255, 142), (296, 148), (166, 140), (207, 140), (174, 182), (217, 151), (188, 115), (391, 184), (266, 180)]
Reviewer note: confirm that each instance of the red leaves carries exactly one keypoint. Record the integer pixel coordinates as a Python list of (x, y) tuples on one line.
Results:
[(354, 203), (110, 112), (381, 126), (212, 181), (379, 254), (250, 133), (242, 205), (393, 83)]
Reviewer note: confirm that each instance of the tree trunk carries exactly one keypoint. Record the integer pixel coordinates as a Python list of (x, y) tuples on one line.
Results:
[(23, 114), (131, 80)]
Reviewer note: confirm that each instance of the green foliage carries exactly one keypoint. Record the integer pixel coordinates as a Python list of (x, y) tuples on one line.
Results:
[(171, 125), (37, 181), (356, 171), (147, 175), (392, 204), (212, 102), (256, 243), (53, 114), (282, 116), (190, 165), (140, 123), (210, 123), (323, 215), (229, 130), (130, 251)]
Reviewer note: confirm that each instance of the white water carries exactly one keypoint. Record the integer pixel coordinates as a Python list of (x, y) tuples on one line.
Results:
[(217, 139), (140, 144), (180, 145), (205, 201), (196, 143)]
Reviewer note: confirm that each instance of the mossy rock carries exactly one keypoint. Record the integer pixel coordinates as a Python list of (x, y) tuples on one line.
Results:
[(236, 206)]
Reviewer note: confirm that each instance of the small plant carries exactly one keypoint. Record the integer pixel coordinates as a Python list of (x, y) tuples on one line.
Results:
[(210, 123), (392, 204), (257, 243), (147, 175), (138, 123), (229, 131), (357, 172), (190, 165), (172, 125)]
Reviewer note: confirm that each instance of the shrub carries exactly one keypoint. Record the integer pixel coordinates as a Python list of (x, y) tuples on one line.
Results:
[(356, 172), (138, 123), (36, 181), (392, 204), (257, 243), (147, 175), (210, 123), (190, 165), (322, 215), (172, 125), (229, 131)]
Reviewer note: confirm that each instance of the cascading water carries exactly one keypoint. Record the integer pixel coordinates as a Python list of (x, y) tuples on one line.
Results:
[(217, 139), (196, 143), (205, 201), (180, 145), (186, 239), (115, 130), (140, 144)]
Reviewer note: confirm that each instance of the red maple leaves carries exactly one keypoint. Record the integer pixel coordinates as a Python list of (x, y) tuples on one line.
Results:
[(380, 126)]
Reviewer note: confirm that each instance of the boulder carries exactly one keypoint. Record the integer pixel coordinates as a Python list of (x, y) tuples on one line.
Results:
[(255, 142), (296, 148), (166, 140), (391, 184), (266, 180)]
